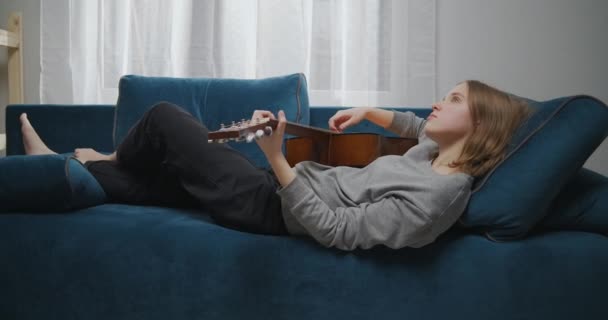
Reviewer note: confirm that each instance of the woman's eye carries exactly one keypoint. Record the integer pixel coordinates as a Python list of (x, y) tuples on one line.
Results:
[(455, 99)]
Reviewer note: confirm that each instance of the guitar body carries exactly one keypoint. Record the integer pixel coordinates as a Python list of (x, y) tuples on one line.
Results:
[(319, 145), (348, 149)]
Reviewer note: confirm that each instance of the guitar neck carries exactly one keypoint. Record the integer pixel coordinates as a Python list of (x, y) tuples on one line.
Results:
[(301, 130), (244, 130)]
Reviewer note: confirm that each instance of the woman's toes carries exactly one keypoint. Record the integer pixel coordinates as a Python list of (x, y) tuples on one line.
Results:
[(32, 144), (88, 154)]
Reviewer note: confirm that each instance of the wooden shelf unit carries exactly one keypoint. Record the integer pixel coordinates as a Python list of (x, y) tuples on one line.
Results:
[(12, 38)]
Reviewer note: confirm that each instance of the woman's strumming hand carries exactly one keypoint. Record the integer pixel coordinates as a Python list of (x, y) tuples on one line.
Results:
[(346, 118)]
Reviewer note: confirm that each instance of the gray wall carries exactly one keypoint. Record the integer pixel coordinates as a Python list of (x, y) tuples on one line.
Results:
[(540, 49)]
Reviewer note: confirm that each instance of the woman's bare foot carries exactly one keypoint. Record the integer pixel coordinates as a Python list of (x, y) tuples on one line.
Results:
[(32, 143), (87, 154)]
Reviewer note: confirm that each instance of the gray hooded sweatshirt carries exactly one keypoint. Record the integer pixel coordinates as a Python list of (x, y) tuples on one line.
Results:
[(397, 200)]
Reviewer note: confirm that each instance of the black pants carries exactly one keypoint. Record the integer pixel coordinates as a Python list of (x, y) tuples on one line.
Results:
[(165, 160)]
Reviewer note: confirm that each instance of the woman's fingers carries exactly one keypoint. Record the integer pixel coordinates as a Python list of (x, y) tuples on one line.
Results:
[(282, 122), (271, 144), (269, 114), (346, 124), (331, 122), (337, 120), (259, 114)]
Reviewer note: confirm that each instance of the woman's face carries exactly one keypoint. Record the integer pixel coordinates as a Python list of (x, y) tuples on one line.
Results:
[(450, 119)]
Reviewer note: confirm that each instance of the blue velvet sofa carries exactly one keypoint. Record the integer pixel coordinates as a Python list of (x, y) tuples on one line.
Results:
[(100, 260)]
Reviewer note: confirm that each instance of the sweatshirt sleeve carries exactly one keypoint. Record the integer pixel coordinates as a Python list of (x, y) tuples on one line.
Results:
[(393, 221), (407, 124)]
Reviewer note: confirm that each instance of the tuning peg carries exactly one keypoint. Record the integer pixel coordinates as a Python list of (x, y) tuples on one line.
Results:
[(250, 137), (268, 131), (259, 133)]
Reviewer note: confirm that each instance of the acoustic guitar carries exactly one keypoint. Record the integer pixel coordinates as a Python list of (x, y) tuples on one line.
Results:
[(317, 144)]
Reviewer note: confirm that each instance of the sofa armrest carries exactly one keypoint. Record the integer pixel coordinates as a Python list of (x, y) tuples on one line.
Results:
[(62, 127)]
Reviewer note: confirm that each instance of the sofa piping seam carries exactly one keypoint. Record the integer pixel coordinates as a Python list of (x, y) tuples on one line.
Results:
[(204, 111), (69, 181), (299, 114)]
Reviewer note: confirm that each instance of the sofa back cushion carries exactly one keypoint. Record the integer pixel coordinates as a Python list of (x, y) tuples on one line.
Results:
[(545, 153), (320, 115), (213, 101)]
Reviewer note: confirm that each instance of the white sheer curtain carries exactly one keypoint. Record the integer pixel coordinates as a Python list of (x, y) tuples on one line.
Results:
[(353, 52)]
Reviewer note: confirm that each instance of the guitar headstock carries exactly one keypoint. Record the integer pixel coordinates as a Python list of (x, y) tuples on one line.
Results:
[(244, 130)]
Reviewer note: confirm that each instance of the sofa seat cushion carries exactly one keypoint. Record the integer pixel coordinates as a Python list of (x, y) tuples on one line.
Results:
[(123, 262), (56, 182), (213, 101)]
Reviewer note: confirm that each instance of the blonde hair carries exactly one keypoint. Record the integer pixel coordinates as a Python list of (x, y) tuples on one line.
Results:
[(496, 115)]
